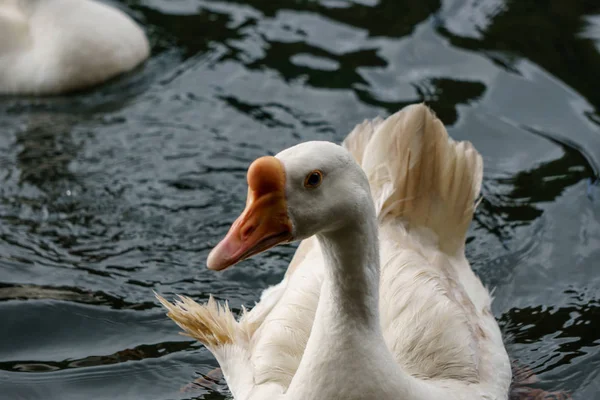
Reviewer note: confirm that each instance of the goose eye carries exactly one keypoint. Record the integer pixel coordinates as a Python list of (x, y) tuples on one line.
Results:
[(313, 180)]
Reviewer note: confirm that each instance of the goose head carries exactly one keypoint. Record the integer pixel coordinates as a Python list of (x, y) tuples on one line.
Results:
[(309, 189)]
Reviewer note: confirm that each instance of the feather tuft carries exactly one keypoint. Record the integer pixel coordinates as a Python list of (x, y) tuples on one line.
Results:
[(212, 324), (419, 174)]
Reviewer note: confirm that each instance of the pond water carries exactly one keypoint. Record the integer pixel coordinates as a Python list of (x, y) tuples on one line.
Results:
[(110, 194)]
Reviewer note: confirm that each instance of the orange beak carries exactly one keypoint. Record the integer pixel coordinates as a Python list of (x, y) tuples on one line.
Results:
[(263, 224)]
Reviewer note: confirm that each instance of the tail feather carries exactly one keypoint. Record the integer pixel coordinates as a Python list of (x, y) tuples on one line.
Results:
[(356, 141), (212, 324), (419, 174)]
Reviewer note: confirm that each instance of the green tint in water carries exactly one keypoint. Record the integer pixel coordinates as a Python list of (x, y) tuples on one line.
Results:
[(110, 194)]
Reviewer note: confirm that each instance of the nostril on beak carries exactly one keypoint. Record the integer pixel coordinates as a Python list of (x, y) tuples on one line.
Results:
[(248, 230)]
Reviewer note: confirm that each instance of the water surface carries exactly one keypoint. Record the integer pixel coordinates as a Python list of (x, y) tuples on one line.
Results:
[(110, 194)]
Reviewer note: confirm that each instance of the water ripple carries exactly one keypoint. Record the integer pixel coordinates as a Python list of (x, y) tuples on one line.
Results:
[(113, 193)]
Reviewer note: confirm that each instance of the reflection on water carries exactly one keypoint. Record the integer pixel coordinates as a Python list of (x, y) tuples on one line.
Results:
[(112, 193)]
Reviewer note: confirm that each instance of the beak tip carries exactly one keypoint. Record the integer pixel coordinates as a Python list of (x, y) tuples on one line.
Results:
[(217, 259), (212, 262)]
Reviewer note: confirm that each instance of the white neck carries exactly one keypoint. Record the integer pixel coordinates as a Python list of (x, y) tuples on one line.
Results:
[(346, 355), (346, 335), (351, 277)]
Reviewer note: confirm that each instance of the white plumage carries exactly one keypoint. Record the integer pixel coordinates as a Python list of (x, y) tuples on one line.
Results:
[(57, 46), (379, 304)]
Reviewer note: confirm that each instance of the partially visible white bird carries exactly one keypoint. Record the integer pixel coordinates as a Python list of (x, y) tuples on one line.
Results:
[(57, 46)]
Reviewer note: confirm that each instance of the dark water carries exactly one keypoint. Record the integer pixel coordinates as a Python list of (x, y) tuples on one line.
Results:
[(108, 195)]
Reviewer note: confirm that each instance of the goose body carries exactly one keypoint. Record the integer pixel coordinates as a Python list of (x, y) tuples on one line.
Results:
[(58, 46), (380, 300)]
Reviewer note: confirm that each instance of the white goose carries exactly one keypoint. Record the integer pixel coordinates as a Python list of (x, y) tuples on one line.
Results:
[(57, 46), (381, 303)]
